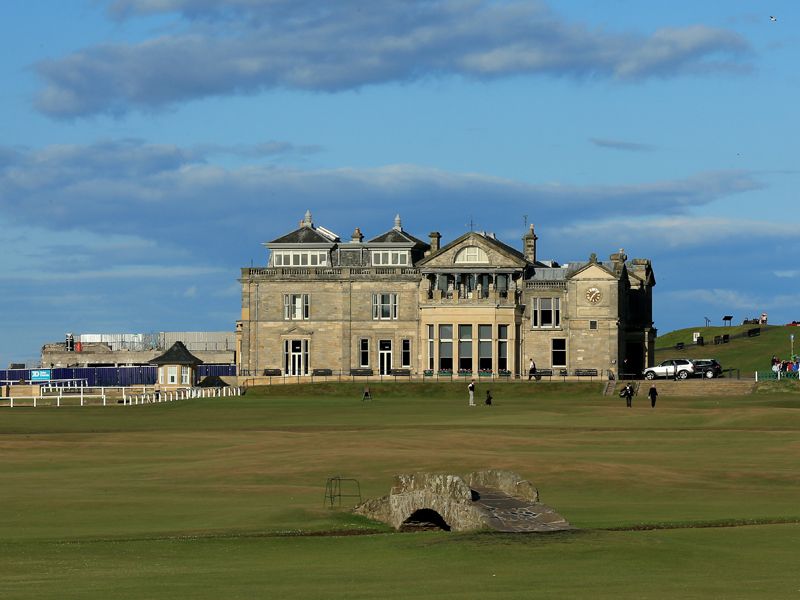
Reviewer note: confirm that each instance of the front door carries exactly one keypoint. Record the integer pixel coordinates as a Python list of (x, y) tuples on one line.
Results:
[(385, 356), (296, 357)]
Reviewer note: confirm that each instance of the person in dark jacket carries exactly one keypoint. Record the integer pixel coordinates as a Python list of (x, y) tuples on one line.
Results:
[(653, 395), (627, 393), (488, 401)]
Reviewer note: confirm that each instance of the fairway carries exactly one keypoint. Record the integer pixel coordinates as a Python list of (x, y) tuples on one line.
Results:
[(223, 497)]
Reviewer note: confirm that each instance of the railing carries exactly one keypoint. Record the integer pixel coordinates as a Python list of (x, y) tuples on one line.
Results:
[(322, 272), (273, 376), (85, 396)]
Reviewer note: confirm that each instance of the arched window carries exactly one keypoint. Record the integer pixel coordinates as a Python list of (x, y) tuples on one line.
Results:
[(472, 254)]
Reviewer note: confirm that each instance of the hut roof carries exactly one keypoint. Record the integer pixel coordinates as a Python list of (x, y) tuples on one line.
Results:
[(176, 355)]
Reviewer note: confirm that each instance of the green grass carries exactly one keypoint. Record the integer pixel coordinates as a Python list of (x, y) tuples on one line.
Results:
[(746, 354), (218, 498)]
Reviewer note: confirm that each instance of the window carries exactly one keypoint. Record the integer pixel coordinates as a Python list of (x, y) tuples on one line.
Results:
[(485, 347), (363, 352), (431, 364), (545, 313), (172, 374), (559, 353), (502, 347), (393, 258), (384, 306), (472, 254), (185, 375), (295, 307), (160, 374), (299, 258), (405, 354), (446, 347), (592, 324), (465, 347)]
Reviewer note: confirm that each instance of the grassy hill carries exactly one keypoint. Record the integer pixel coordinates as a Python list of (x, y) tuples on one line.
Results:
[(747, 354)]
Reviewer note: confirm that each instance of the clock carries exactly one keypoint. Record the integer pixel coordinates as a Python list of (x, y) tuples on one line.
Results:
[(593, 295)]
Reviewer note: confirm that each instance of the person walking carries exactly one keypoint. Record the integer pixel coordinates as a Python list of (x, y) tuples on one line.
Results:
[(627, 393), (531, 370), (488, 401), (471, 390), (653, 395)]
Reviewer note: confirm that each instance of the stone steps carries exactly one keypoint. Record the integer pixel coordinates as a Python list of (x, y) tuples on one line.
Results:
[(696, 387)]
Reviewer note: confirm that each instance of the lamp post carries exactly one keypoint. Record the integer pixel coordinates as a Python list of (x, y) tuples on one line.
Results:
[(791, 340)]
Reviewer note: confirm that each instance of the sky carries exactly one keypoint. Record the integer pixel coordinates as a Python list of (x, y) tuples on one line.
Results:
[(148, 148)]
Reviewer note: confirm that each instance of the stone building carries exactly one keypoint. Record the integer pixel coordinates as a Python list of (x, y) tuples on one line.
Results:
[(475, 305)]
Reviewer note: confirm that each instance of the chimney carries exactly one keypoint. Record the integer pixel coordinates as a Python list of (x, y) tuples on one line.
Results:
[(529, 245), (357, 235), (618, 259), (435, 237)]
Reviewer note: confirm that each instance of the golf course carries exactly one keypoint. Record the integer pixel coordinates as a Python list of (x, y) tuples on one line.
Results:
[(225, 497)]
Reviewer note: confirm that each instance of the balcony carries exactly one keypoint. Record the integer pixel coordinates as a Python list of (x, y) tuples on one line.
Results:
[(475, 297), (328, 273)]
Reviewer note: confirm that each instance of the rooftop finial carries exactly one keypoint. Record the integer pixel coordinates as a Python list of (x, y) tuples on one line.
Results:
[(397, 225), (307, 219)]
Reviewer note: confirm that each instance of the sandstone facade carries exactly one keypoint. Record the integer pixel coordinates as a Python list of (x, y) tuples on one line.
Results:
[(474, 305)]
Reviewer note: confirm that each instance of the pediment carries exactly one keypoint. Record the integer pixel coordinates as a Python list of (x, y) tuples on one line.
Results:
[(298, 331), (594, 272), (496, 253)]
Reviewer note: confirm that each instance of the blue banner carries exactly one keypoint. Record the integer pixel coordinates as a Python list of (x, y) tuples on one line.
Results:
[(40, 375)]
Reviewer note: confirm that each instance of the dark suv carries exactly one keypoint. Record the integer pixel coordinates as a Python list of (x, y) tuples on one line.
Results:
[(707, 367)]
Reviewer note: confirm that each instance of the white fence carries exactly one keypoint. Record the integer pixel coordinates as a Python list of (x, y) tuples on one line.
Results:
[(84, 396)]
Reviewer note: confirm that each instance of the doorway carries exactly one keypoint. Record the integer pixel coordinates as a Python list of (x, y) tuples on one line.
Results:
[(385, 356)]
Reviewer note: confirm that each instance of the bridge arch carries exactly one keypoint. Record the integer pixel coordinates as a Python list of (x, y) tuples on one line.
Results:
[(424, 519)]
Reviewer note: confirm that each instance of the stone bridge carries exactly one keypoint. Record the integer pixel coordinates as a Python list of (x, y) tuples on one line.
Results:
[(493, 499)]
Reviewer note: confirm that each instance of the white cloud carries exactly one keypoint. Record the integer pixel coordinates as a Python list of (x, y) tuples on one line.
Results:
[(240, 46), (679, 231)]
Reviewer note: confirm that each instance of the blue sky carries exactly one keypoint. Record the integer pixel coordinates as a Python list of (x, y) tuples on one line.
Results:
[(149, 147)]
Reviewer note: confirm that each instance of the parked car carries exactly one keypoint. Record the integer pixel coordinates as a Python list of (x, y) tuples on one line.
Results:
[(668, 368), (707, 367)]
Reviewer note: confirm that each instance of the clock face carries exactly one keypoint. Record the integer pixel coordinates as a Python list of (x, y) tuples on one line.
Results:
[(593, 295)]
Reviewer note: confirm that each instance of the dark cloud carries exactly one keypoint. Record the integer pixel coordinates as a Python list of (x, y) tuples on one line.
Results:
[(176, 196), (243, 46), (620, 145)]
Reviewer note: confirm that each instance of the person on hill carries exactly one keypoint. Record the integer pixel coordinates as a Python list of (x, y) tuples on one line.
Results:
[(627, 393), (653, 395), (488, 401), (471, 390)]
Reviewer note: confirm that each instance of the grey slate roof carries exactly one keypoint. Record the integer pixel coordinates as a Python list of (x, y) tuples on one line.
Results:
[(177, 355), (393, 236), (304, 235)]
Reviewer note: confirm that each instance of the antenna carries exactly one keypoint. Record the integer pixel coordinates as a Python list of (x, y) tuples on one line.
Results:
[(524, 222), (471, 224)]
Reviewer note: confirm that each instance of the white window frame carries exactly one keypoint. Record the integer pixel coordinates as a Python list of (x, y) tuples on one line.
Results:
[(363, 352), (172, 374), (471, 255), (296, 307), (184, 375), (299, 258), (384, 306), (538, 311), (553, 351), (431, 342), (502, 347), (405, 354), (390, 258)]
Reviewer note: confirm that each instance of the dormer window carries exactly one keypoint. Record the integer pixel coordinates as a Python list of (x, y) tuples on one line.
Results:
[(390, 258), (302, 258), (472, 254)]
